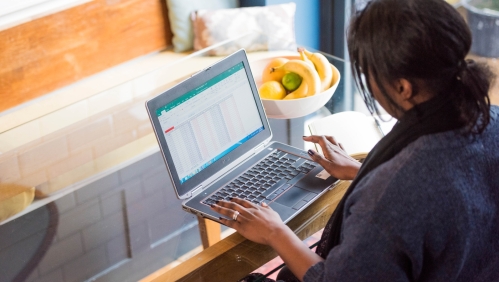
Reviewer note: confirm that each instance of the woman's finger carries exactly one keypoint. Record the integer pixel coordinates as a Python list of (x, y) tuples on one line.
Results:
[(229, 222), (318, 158), (341, 146), (234, 207), (332, 140), (227, 209), (244, 203), (318, 139)]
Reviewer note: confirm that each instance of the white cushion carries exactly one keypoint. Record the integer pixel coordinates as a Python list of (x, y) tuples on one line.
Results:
[(179, 12)]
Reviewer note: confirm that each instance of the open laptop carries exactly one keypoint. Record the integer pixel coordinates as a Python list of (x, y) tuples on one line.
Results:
[(215, 140)]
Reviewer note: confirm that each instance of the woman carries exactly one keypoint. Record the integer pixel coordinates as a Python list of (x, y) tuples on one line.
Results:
[(424, 205)]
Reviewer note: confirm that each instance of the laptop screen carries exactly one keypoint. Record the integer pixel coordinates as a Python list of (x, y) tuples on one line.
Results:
[(206, 123)]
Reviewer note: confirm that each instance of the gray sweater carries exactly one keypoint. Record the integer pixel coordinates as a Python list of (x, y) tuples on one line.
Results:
[(429, 214)]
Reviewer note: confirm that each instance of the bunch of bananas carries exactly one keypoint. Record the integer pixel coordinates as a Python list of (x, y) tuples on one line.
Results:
[(297, 78)]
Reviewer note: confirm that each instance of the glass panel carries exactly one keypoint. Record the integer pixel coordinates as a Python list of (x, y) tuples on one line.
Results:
[(104, 205)]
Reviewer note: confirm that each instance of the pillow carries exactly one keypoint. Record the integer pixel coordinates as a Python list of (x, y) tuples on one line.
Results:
[(269, 28), (180, 23)]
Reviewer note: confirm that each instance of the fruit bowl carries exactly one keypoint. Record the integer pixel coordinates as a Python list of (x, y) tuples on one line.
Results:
[(286, 109)]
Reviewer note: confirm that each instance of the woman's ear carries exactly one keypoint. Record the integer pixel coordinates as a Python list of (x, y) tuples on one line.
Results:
[(403, 93), (405, 89)]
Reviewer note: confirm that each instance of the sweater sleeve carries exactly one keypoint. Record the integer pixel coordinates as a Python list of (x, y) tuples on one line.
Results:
[(373, 244), (365, 254)]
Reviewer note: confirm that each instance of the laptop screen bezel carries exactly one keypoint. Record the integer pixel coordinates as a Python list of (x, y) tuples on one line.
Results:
[(183, 189)]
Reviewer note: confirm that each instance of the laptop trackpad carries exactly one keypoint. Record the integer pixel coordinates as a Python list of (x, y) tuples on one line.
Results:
[(284, 212), (292, 196)]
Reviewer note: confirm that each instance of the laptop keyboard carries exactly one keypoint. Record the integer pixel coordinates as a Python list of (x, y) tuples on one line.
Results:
[(266, 180)]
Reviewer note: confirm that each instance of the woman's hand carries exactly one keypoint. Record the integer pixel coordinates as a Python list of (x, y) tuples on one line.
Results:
[(258, 223), (335, 161)]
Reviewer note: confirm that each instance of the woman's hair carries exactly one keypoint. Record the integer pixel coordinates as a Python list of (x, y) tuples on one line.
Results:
[(425, 42)]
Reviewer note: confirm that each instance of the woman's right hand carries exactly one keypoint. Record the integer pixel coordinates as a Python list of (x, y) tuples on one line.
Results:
[(335, 161)]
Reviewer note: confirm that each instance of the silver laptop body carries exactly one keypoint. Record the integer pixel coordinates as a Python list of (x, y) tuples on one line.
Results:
[(216, 142)]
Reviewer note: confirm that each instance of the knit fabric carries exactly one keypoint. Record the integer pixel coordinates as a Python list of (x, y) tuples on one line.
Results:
[(431, 213)]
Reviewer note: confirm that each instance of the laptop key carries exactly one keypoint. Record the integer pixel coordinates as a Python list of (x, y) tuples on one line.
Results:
[(274, 187), (296, 178), (272, 196), (299, 205)]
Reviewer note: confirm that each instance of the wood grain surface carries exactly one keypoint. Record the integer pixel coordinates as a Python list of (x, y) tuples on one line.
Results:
[(51, 52)]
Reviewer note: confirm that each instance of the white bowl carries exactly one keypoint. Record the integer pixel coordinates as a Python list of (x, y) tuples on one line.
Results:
[(285, 109)]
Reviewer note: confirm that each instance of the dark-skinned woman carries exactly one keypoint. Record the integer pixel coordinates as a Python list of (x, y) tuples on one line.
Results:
[(424, 205)]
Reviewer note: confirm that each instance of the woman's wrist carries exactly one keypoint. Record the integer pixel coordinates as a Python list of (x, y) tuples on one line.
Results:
[(278, 235), (353, 170)]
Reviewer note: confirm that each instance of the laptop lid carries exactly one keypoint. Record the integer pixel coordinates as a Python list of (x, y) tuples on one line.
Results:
[(207, 121)]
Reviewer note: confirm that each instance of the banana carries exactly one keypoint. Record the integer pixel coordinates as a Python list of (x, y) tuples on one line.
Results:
[(300, 92), (323, 68), (304, 57), (309, 77)]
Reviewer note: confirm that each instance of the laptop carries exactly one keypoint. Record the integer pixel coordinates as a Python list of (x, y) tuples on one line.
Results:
[(216, 142)]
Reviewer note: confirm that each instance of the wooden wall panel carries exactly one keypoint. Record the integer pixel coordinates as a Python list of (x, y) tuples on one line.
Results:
[(45, 54)]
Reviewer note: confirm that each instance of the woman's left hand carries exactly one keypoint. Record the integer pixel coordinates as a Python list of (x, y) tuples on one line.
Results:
[(258, 223)]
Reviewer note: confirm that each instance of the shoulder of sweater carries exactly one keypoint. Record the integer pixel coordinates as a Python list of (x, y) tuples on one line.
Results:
[(455, 138), (428, 162), (432, 153)]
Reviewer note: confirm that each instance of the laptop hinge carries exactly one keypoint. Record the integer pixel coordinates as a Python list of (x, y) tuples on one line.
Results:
[(195, 190), (259, 148)]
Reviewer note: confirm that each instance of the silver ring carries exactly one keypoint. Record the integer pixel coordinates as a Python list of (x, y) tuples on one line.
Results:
[(234, 216)]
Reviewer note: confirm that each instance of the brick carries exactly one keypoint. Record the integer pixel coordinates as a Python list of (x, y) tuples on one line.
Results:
[(170, 195), (133, 191), (108, 145), (78, 218), (69, 163), (167, 222), (60, 253), (9, 168), (23, 134), (109, 98), (155, 181), (139, 238), (77, 174), (112, 202), (127, 120), (65, 203), (86, 266), (63, 117), (144, 129), (38, 180), (96, 188), (54, 276), (14, 256), (138, 168), (117, 249), (27, 227), (145, 208), (188, 240), (103, 231), (40, 156), (90, 134), (145, 85)]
